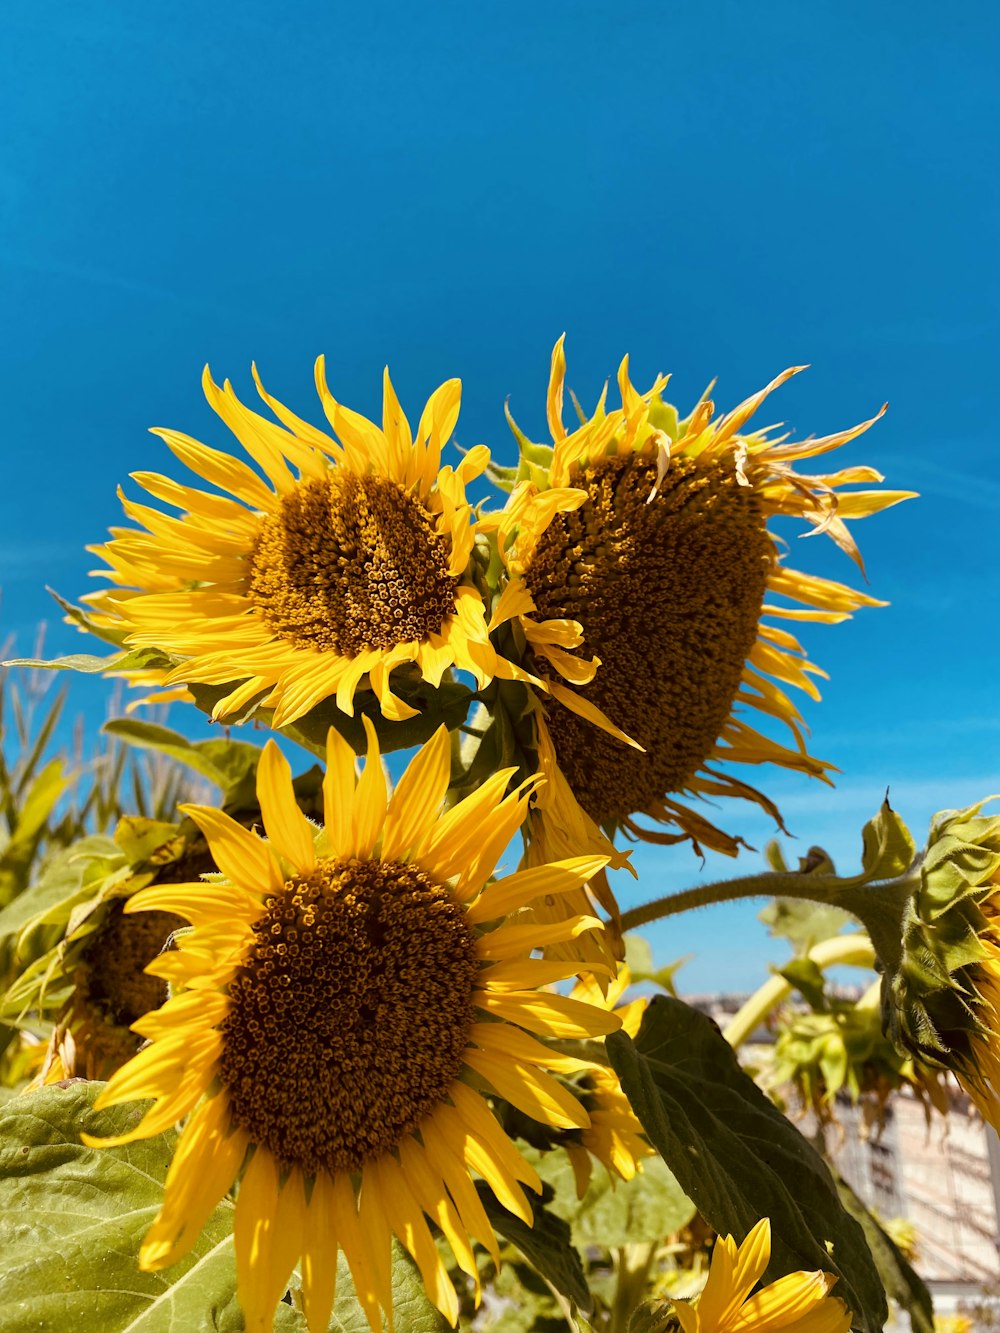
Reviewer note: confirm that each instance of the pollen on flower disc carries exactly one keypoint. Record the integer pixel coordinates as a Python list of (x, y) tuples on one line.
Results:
[(350, 563), (669, 594), (350, 1014)]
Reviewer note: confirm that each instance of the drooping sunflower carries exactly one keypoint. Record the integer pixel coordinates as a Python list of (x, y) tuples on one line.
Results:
[(615, 1135), (797, 1303), (650, 534), (347, 559), (343, 1004), (941, 965)]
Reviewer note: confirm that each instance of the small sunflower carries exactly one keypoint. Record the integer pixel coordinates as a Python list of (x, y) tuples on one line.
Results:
[(649, 535), (347, 559), (797, 1303), (92, 984), (339, 1012), (615, 1135)]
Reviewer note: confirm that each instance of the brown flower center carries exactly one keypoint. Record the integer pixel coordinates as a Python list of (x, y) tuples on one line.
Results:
[(669, 595), (114, 960), (351, 1013), (350, 563)]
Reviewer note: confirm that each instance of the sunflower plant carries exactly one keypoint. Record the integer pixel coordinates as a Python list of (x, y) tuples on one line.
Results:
[(360, 1048)]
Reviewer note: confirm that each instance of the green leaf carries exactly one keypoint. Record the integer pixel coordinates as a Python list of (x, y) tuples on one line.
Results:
[(32, 819), (887, 847), (72, 1219), (898, 1277), (410, 1304), (85, 662), (546, 1245), (614, 1212), (222, 762), (805, 924), (737, 1156)]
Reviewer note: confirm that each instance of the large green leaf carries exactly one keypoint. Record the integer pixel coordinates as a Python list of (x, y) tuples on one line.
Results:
[(737, 1156), (72, 1219)]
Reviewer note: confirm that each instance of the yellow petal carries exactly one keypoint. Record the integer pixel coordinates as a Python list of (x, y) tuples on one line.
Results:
[(418, 796), (338, 794), (370, 798), (242, 857), (287, 827)]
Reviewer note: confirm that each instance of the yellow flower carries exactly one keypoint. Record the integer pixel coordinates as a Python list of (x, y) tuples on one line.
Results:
[(297, 588), (334, 1009), (798, 1303), (614, 1136), (92, 982), (649, 536)]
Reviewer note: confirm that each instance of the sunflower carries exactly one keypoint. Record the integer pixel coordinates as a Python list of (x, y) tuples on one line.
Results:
[(939, 954), (797, 1303), (339, 1013), (347, 559), (614, 1136), (650, 535), (91, 984)]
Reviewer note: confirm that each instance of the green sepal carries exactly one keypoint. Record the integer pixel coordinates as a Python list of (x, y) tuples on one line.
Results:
[(931, 1002), (736, 1156), (76, 615), (504, 478), (535, 459), (888, 848)]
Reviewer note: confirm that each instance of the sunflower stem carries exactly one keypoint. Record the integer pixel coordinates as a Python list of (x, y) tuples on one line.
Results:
[(881, 907), (770, 884), (851, 950)]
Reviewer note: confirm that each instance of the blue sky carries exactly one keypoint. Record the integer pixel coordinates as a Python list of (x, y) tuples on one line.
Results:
[(720, 189)]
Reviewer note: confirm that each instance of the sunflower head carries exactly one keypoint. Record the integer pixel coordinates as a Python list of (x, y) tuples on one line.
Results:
[(324, 569), (799, 1300), (345, 1005), (844, 1048), (648, 536), (92, 982), (941, 990)]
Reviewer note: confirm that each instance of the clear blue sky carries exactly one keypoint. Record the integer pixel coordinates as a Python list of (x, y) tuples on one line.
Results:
[(720, 189)]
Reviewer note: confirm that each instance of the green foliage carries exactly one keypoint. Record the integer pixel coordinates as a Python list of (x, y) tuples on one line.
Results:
[(72, 1219), (546, 1245), (737, 1156), (614, 1212), (901, 1282)]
